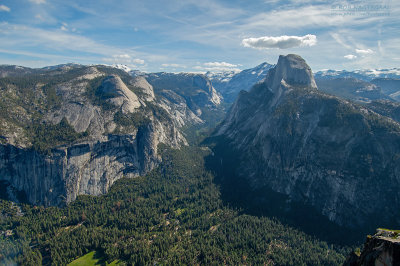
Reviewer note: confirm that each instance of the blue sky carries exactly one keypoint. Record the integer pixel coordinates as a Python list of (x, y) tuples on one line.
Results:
[(196, 36)]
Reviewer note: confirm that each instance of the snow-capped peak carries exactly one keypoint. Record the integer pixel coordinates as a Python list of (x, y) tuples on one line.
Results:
[(122, 67), (223, 76), (363, 74)]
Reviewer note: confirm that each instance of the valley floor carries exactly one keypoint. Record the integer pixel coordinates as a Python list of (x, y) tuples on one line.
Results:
[(174, 215)]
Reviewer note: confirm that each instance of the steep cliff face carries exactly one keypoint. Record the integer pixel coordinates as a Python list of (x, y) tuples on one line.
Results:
[(339, 157), (89, 167), (190, 97), (74, 131), (381, 249)]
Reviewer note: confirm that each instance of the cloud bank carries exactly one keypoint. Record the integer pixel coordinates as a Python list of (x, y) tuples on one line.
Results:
[(280, 42)]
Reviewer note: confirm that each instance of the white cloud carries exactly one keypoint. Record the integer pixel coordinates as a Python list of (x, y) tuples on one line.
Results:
[(4, 8), (364, 51), (124, 59), (281, 42), (64, 27), (138, 61), (220, 64), (38, 2), (350, 56)]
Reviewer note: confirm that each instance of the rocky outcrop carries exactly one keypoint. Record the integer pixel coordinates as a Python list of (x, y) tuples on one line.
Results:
[(338, 157), (141, 82), (114, 91), (381, 249), (115, 130), (292, 70)]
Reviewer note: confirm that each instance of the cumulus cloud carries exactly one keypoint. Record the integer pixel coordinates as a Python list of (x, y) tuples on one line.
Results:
[(38, 2), (364, 51), (350, 56), (280, 42), (220, 64), (4, 8)]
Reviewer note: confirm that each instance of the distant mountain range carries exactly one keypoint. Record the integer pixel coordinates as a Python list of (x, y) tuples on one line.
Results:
[(71, 129), (229, 84), (366, 74), (358, 85)]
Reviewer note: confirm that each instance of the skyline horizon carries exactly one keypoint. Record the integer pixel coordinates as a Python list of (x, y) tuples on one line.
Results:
[(196, 72)]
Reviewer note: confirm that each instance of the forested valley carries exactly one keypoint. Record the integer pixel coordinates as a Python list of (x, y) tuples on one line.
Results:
[(173, 215)]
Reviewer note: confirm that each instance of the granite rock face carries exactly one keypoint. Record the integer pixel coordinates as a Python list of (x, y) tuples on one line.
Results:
[(115, 122), (87, 168), (293, 70), (336, 156), (141, 82), (117, 93), (191, 98)]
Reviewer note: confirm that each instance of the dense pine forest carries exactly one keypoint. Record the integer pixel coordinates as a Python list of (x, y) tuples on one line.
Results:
[(174, 215)]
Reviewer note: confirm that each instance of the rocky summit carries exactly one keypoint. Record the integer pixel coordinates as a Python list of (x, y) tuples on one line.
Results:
[(336, 156)]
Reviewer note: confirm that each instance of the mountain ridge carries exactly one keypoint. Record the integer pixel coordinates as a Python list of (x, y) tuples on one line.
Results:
[(74, 130), (304, 144)]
